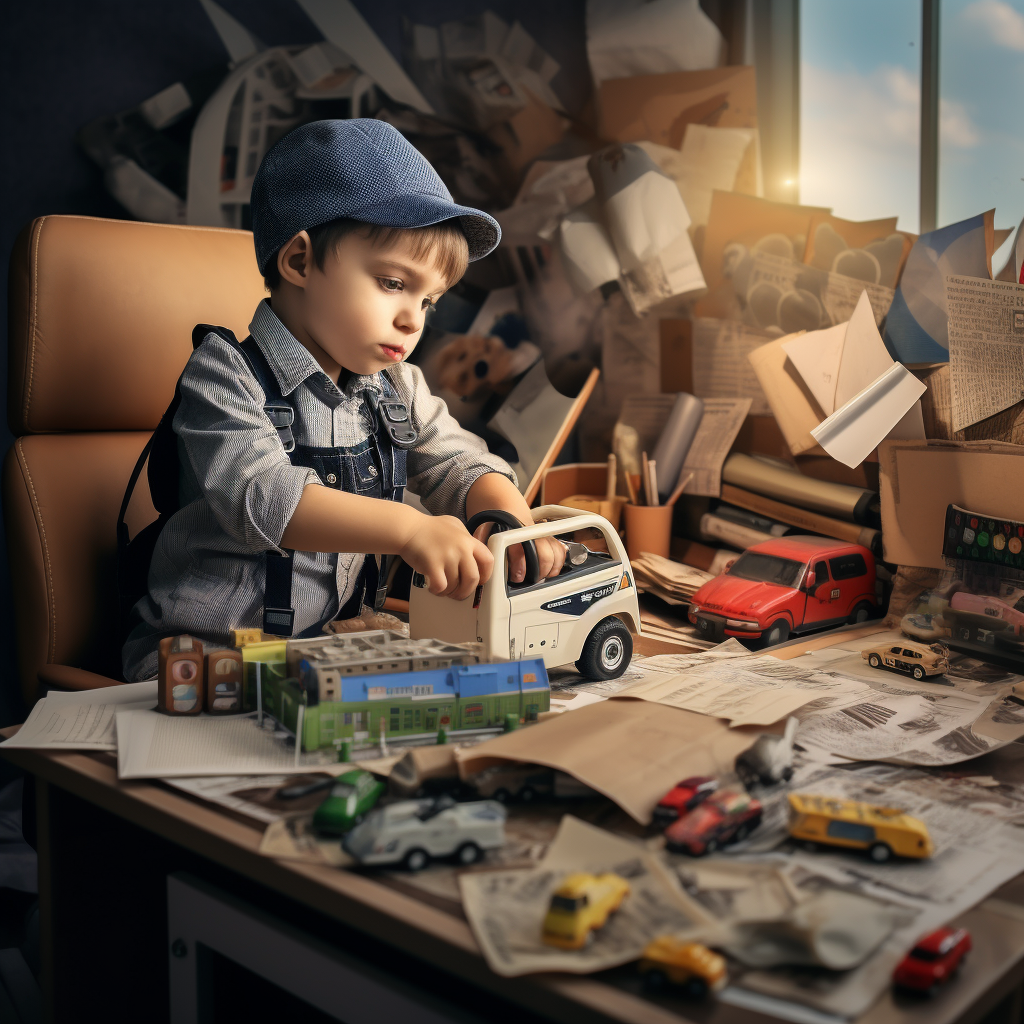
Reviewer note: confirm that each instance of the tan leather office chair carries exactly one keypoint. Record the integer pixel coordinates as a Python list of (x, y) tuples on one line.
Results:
[(101, 318)]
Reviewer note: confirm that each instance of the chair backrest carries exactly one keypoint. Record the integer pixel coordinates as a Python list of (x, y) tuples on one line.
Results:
[(101, 318)]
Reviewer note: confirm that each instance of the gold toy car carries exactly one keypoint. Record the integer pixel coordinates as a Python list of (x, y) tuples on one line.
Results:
[(916, 659), (882, 831), (668, 960), (581, 905)]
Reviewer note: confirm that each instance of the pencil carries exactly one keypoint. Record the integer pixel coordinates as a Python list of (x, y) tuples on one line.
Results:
[(645, 477), (680, 487), (612, 484), (653, 471)]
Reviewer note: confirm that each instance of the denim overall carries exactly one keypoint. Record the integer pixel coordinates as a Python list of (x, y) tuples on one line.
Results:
[(374, 468)]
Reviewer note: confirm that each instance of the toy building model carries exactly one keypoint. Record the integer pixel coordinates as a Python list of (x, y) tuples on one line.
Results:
[(365, 686)]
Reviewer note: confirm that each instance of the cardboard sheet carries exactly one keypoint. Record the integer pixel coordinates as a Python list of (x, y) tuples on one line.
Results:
[(871, 250), (659, 107), (780, 229), (919, 479), (625, 749)]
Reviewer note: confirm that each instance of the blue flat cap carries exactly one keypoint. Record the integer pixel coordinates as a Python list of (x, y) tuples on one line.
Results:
[(361, 168)]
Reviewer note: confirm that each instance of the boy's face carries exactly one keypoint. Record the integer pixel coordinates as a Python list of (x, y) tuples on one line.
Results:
[(365, 309)]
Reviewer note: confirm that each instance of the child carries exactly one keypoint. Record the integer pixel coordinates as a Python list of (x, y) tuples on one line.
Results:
[(356, 237)]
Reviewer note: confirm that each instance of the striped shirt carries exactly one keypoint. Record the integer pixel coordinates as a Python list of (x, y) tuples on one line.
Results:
[(238, 489)]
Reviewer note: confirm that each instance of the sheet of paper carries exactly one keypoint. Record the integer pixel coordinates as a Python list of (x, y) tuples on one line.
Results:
[(721, 364), (83, 719), (890, 403), (897, 723), (155, 746), (721, 422), (749, 691), (506, 909), (683, 581), (986, 347)]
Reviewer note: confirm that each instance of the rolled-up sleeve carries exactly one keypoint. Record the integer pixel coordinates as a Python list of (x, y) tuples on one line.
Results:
[(233, 450), (447, 459)]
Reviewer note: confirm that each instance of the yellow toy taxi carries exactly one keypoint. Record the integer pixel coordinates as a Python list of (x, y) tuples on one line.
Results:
[(854, 825), (690, 965), (580, 906)]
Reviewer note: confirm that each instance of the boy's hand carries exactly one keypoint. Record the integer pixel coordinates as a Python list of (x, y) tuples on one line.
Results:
[(454, 563), (550, 554)]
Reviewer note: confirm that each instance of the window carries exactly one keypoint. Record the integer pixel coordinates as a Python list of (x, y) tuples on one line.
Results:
[(766, 569), (850, 830), (910, 654), (846, 567), (981, 124), (860, 103), (820, 573)]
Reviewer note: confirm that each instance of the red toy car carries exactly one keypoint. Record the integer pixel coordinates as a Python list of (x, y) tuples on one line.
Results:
[(727, 816), (787, 585), (933, 960), (683, 797)]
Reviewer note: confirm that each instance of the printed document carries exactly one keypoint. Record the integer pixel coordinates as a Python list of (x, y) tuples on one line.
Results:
[(83, 719), (986, 347)]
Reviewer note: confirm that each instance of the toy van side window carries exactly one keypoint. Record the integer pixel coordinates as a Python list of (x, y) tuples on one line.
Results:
[(850, 830), (846, 567)]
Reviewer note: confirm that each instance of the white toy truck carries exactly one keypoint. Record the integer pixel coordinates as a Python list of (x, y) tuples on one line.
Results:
[(585, 615)]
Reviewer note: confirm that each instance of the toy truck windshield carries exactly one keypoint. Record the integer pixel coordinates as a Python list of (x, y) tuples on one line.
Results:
[(767, 569)]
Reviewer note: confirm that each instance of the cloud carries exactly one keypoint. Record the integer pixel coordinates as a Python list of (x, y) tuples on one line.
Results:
[(955, 125), (1002, 23)]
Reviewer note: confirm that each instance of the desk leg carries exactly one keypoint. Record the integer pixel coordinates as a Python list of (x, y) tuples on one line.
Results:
[(44, 844)]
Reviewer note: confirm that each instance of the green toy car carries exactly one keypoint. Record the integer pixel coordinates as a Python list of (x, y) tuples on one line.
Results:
[(352, 796)]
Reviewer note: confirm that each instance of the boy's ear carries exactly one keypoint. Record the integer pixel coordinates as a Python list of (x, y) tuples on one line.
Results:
[(295, 260)]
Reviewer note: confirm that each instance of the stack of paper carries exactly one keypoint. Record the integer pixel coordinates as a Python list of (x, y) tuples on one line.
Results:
[(673, 582)]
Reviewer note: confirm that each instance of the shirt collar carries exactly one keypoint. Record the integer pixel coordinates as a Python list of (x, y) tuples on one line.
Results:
[(291, 361)]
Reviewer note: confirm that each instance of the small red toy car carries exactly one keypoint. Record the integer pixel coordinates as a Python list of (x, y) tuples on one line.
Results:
[(683, 797), (787, 585), (933, 960), (727, 816)]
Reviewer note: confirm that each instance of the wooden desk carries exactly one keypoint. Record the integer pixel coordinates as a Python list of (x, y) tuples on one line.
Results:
[(106, 848)]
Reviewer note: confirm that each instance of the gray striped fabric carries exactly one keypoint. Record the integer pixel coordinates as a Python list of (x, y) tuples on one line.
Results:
[(238, 490)]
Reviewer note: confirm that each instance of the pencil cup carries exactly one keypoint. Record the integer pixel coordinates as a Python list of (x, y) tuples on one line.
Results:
[(648, 528)]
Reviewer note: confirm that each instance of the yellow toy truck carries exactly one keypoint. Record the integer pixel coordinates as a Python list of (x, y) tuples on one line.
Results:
[(690, 965), (853, 825), (581, 905)]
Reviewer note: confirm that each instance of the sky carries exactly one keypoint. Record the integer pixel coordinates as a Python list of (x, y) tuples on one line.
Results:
[(860, 109)]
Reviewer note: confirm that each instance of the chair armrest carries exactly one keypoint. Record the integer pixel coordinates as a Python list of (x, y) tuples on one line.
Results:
[(64, 677)]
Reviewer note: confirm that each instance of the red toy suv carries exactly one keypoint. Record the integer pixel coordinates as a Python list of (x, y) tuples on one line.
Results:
[(683, 797), (724, 817), (933, 960), (787, 585)]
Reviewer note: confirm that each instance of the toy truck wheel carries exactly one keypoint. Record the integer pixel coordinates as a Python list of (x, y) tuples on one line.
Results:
[(918, 672), (416, 860), (776, 633), (880, 853), (503, 796), (861, 613), (874, 661), (607, 651), (468, 853), (656, 980), (696, 988)]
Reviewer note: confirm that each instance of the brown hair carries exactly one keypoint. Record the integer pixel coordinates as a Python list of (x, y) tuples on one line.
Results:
[(444, 241)]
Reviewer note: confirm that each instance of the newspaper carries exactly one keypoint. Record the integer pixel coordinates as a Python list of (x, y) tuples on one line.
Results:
[(719, 426), (672, 581), (986, 347), (81, 719), (721, 368), (255, 796), (783, 293), (758, 691), (294, 838), (506, 909), (976, 852)]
